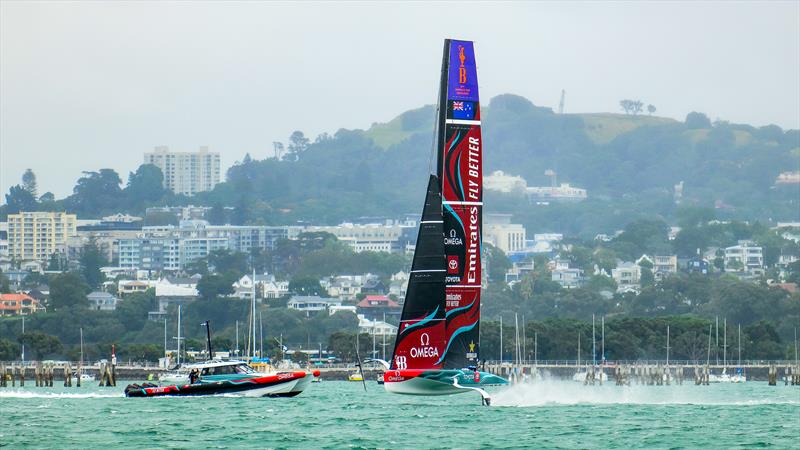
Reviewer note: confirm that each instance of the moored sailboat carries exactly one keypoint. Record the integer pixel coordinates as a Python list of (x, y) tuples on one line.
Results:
[(436, 350)]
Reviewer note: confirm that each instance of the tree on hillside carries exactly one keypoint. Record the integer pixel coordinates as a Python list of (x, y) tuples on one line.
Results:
[(96, 192), (9, 351), (19, 199), (298, 143), (631, 106), (696, 120), (306, 286), (91, 260), (145, 186), (651, 109), (29, 182), (228, 261), (40, 344), (214, 286), (68, 290)]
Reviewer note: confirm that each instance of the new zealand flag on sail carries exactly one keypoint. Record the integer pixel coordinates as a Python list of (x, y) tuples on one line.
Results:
[(463, 110)]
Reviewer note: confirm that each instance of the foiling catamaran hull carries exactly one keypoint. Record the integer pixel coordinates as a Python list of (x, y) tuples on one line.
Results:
[(438, 382), (282, 384)]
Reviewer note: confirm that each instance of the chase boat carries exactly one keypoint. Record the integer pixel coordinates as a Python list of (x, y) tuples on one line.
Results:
[(230, 377)]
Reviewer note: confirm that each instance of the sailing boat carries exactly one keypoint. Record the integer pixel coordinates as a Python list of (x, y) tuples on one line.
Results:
[(83, 376), (436, 350)]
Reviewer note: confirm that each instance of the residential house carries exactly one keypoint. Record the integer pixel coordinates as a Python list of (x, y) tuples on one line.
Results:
[(375, 306), (698, 265), (311, 303), (18, 305), (102, 301), (398, 285), (627, 275), (125, 287), (518, 271), (181, 292), (375, 327), (567, 277)]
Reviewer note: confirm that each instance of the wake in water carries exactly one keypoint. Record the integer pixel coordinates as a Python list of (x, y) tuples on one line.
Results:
[(552, 393), (32, 394)]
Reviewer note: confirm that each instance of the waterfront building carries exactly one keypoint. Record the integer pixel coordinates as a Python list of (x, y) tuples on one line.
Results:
[(18, 305), (186, 173), (34, 236)]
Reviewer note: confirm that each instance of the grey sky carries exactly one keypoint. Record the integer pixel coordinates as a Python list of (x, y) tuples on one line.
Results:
[(87, 85)]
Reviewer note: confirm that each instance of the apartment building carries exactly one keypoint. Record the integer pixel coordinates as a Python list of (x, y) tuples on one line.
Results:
[(34, 236), (186, 172)]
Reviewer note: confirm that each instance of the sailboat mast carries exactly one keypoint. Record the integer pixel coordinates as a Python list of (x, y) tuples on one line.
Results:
[(253, 315), (501, 339), (708, 353), (594, 351), (23, 342), (81, 361), (524, 353), (261, 335), (179, 335), (725, 343), (667, 345), (603, 341), (237, 338), (739, 332)]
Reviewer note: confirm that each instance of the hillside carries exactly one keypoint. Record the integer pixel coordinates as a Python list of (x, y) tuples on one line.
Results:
[(629, 165)]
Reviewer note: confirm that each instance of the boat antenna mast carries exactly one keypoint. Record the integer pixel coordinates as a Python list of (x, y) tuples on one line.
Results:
[(207, 324)]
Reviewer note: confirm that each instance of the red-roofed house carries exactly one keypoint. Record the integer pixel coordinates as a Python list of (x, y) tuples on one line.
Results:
[(375, 306), (18, 305)]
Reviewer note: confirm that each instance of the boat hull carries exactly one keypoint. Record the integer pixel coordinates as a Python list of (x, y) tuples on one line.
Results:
[(438, 382), (282, 384)]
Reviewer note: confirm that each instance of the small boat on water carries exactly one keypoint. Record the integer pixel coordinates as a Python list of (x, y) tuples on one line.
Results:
[(355, 376), (84, 377), (215, 377), (229, 377)]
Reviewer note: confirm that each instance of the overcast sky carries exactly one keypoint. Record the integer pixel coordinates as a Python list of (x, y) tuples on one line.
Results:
[(88, 85)]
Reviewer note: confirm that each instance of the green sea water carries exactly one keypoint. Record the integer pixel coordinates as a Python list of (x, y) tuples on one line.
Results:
[(548, 414)]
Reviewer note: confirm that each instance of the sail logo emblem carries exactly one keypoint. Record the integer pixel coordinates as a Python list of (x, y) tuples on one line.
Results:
[(424, 350), (424, 340), (452, 264), (453, 239), (462, 71), (401, 363)]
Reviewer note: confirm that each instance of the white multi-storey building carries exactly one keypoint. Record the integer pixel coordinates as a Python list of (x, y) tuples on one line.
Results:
[(744, 257), (186, 172), (35, 236)]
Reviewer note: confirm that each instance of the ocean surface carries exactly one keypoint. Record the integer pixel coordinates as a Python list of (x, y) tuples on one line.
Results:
[(338, 414)]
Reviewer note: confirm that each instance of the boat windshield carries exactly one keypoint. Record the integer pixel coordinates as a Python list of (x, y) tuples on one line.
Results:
[(244, 368), (227, 369)]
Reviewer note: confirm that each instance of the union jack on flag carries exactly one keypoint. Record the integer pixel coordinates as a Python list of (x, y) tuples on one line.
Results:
[(458, 106)]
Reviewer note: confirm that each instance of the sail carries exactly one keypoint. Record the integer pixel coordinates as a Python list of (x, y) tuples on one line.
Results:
[(460, 173), (420, 337)]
